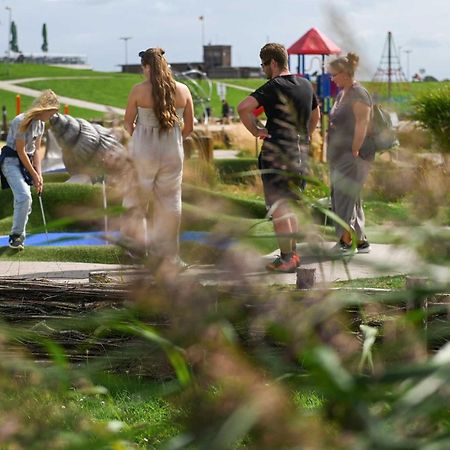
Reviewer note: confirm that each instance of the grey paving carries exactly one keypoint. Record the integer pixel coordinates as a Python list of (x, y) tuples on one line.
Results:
[(383, 260)]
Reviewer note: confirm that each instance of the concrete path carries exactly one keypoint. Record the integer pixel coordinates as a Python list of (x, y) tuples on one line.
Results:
[(225, 154), (383, 260), (67, 272), (13, 86)]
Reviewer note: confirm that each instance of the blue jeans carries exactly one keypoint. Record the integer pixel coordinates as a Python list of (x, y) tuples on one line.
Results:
[(21, 192)]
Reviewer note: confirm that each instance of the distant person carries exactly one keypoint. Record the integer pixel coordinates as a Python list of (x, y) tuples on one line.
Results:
[(292, 115), (20, 161), (159, 116), (349, 122), (225, 112)]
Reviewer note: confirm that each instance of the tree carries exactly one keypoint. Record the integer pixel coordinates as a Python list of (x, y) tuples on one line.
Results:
[(44, 46), (13, 42)]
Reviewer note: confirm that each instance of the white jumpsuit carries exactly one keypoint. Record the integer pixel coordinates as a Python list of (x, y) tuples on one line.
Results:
[(159, 164)]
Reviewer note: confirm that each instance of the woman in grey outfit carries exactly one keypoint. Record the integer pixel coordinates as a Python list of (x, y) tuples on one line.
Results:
[(349, 122)]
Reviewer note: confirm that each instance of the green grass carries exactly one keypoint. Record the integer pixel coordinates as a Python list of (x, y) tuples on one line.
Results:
[(99, 254), (17, 71), (111, 89), (8, 99), (403, 93), (389, 282), (68, 207), (234, 214), (145, 417), (378, 212)]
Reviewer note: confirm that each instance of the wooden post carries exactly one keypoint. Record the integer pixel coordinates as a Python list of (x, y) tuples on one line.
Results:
[(17, 104), (306, 278), (206, 148)]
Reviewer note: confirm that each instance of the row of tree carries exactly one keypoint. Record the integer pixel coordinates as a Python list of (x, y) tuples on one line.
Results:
[(13, 42)]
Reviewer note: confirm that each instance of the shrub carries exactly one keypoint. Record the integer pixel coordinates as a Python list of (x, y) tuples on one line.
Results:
[(229, 169), (433, 110)]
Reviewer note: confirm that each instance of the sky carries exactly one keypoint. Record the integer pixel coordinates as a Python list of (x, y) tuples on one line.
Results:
[(94, 28)]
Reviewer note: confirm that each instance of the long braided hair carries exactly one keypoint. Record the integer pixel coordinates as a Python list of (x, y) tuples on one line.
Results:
[(163, 87)]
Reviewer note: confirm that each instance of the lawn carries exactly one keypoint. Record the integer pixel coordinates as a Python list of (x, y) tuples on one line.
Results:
[(8, 99), (17, 71), (111, 89), (256, 368)]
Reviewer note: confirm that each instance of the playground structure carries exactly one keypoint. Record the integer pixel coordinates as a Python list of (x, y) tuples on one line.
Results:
[(316, 44), (389, 68)]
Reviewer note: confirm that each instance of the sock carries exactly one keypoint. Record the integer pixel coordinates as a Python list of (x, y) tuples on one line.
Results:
[(286, 256)]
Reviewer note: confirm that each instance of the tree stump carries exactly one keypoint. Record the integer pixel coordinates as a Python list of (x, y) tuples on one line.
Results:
[(306, 278)]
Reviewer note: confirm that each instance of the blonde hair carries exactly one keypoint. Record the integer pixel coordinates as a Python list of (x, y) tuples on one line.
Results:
[(347, 64), (45, 102), (163, 87)]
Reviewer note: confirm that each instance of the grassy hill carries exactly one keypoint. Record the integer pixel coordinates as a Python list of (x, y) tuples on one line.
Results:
[(8, 99), (16, 71), (113, 88)]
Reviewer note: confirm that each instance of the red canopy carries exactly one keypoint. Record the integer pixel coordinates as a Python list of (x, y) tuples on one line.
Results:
[(313, 42)]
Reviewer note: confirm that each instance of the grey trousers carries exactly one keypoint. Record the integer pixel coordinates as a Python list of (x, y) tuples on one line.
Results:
[(348, 175)]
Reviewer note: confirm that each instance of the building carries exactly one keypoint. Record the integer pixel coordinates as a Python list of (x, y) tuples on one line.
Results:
[(52, 59), (216, 63), (216, 56)]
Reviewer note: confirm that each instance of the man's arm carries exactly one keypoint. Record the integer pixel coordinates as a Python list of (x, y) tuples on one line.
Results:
[(245, 111)]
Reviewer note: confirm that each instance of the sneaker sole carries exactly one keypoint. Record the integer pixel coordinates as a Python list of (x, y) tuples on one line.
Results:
[(364, 250), (20, 247)]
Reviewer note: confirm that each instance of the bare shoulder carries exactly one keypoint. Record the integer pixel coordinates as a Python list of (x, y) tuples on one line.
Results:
[(182, 88), (137, 88)]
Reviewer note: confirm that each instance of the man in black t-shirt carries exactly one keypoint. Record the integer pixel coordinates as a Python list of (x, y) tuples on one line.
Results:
[(292, 115)]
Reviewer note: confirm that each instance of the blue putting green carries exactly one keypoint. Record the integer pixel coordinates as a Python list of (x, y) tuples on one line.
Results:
[(96, 238)]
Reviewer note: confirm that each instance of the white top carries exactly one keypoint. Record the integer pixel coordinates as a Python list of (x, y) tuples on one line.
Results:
[(34, 131)]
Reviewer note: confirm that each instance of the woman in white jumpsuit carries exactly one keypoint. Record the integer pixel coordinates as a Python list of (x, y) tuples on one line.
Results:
[(159, 116)]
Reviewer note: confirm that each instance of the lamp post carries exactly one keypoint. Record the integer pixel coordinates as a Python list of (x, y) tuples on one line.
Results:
[(202, 20), (9, 9), (407, 63), (125, 39)]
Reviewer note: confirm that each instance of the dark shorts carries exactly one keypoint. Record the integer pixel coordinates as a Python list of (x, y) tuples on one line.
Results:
[(281, 174)]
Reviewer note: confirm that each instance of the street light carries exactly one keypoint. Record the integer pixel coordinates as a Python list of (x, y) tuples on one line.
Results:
[(125, 39), (202, 20), (9, 30)]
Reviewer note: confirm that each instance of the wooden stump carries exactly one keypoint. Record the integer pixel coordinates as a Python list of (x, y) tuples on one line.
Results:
[(205, 147), (415, 301), (306, 278)]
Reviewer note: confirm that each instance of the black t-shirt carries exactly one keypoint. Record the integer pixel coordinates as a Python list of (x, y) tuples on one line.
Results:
[(288, 101)]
